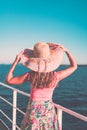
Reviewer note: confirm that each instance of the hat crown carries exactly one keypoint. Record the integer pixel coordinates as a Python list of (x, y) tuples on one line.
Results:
[(41, 50)]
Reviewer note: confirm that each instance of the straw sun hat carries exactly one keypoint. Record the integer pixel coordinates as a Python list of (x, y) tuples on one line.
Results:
[(44, 57)]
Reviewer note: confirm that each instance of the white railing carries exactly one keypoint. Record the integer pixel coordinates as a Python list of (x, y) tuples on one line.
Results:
[(15, 109)]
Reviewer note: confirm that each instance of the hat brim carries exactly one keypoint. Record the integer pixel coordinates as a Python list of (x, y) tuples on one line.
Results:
[(40, 64)]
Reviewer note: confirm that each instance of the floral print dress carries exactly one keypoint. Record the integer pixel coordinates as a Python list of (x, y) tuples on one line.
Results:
[(40, 116)]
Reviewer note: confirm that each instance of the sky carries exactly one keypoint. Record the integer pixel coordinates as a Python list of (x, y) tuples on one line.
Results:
[(25, 22)]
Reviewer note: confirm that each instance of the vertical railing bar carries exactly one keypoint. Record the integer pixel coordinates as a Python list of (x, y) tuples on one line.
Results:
[(14, 109), (59, 116)]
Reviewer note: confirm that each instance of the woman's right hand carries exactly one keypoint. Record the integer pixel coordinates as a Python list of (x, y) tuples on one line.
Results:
[(19, 56)]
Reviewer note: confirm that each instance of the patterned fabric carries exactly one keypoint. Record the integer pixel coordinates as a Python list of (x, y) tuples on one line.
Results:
[(40, 115)]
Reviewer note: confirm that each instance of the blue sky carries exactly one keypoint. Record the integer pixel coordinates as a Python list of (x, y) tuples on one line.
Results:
[(25, 22)]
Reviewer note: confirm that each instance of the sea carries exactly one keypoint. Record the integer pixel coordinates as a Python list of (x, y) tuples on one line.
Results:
[(71, 93)]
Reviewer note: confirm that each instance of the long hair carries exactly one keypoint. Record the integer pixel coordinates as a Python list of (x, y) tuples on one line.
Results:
[(41, 80)]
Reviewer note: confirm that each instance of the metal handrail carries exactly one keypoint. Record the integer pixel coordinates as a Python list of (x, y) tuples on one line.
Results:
[(14, 89), (13, 121)]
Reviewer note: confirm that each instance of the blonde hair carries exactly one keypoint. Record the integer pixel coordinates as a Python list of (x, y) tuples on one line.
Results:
[(41, 80)]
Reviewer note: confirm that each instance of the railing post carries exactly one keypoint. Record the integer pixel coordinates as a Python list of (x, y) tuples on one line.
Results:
[(14, 109), (60, 118)]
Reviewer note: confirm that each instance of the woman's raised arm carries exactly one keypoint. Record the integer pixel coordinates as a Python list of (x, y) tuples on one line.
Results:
[(73, 66), (10, 79)]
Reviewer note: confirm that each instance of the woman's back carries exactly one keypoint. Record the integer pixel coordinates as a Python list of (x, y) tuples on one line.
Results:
[(42, 90)]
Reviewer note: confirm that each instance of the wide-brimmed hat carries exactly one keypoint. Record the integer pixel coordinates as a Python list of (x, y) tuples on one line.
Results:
[(44, 57)]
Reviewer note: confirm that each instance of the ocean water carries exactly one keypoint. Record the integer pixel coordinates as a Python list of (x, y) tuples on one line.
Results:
[(70, 93)]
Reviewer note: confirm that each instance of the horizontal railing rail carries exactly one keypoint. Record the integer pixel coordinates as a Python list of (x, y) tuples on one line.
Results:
[(60, 108)]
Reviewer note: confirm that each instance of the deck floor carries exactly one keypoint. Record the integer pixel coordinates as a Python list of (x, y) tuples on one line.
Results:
[(2, 126)]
